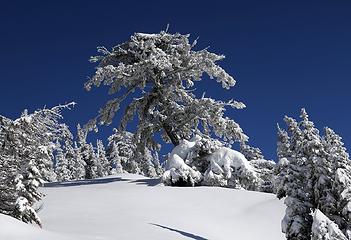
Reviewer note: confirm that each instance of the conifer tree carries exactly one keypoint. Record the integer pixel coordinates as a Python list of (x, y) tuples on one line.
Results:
[(163, 68), (297, 221), (77, 164), (104, 167), (334, 185), (63, 171)]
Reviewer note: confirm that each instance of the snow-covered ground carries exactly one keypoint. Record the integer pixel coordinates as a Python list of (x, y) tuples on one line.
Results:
[(133, 207)]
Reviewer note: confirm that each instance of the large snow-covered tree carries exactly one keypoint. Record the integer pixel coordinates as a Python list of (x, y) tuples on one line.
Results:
[(314, 172), (159, 71), (334, 182), (298, 186), (26, 152)]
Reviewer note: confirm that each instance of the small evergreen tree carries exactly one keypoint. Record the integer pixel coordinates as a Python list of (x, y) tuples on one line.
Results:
[(77, 164), (104, 167), (63, 171)]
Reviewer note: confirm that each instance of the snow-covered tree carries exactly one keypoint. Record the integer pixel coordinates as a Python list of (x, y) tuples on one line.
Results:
[(316, 174), (160, 70), (250, 153), (264, 170), (325, 229), (333, 187), (87, 154), (26, 152), (127, 156), (104, 167), (76, 163), (62, 170), (298, 187)]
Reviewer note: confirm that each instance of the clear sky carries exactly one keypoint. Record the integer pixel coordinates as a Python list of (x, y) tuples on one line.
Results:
[(284, 55)]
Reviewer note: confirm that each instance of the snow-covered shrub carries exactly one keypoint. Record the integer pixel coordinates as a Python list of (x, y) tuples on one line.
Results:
[(202, 161), (180, 174)]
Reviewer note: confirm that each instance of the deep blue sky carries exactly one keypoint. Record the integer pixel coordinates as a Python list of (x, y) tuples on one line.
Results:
[(284, 55)]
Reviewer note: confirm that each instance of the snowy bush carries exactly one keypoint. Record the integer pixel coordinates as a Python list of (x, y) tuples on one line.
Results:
[(202, 162)]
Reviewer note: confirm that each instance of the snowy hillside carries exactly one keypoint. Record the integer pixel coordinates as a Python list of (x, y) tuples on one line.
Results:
[(133, 207)]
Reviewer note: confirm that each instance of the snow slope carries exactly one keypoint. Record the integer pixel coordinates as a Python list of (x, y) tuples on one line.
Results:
[(129, 206)]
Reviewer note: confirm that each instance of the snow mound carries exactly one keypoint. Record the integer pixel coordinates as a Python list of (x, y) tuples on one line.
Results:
[(13, 229), (222, 167), (130, 207)]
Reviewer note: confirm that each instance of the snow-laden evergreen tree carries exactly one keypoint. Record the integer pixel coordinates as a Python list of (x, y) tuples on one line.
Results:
[(263, 168), (159, 71), (333, 188), (62, 170), (284, 155), (25, 150), (77, 164), (126, 155), (250, 153), (325, 229), (104, 167), (115, 158), (316, 175), (297, 221), (87, 154)]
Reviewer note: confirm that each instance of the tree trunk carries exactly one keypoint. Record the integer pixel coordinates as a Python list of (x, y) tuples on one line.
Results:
[(174, 138)]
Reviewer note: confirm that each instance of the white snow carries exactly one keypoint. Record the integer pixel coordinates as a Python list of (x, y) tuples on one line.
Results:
[(129, 206), (324, 228), (228, 158)]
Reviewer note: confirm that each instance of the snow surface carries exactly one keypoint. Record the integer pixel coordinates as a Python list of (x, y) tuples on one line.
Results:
[(127, 206)]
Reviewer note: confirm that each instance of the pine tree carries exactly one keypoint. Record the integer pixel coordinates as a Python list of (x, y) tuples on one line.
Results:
[(334, 184), (317, 176), (297, 221), (281, 170), (63, 171), (163, 68), (115, 158), (127, 156), (325, 229), (77, 164), (87, 154), (25, 153), (104, 167), (250, 153)]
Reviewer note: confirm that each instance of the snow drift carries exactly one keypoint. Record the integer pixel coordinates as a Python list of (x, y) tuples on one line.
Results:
[(133, 207)]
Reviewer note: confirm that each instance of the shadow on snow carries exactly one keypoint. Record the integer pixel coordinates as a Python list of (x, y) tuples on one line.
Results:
[(84, 182), (186, 234), (148, 181)]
